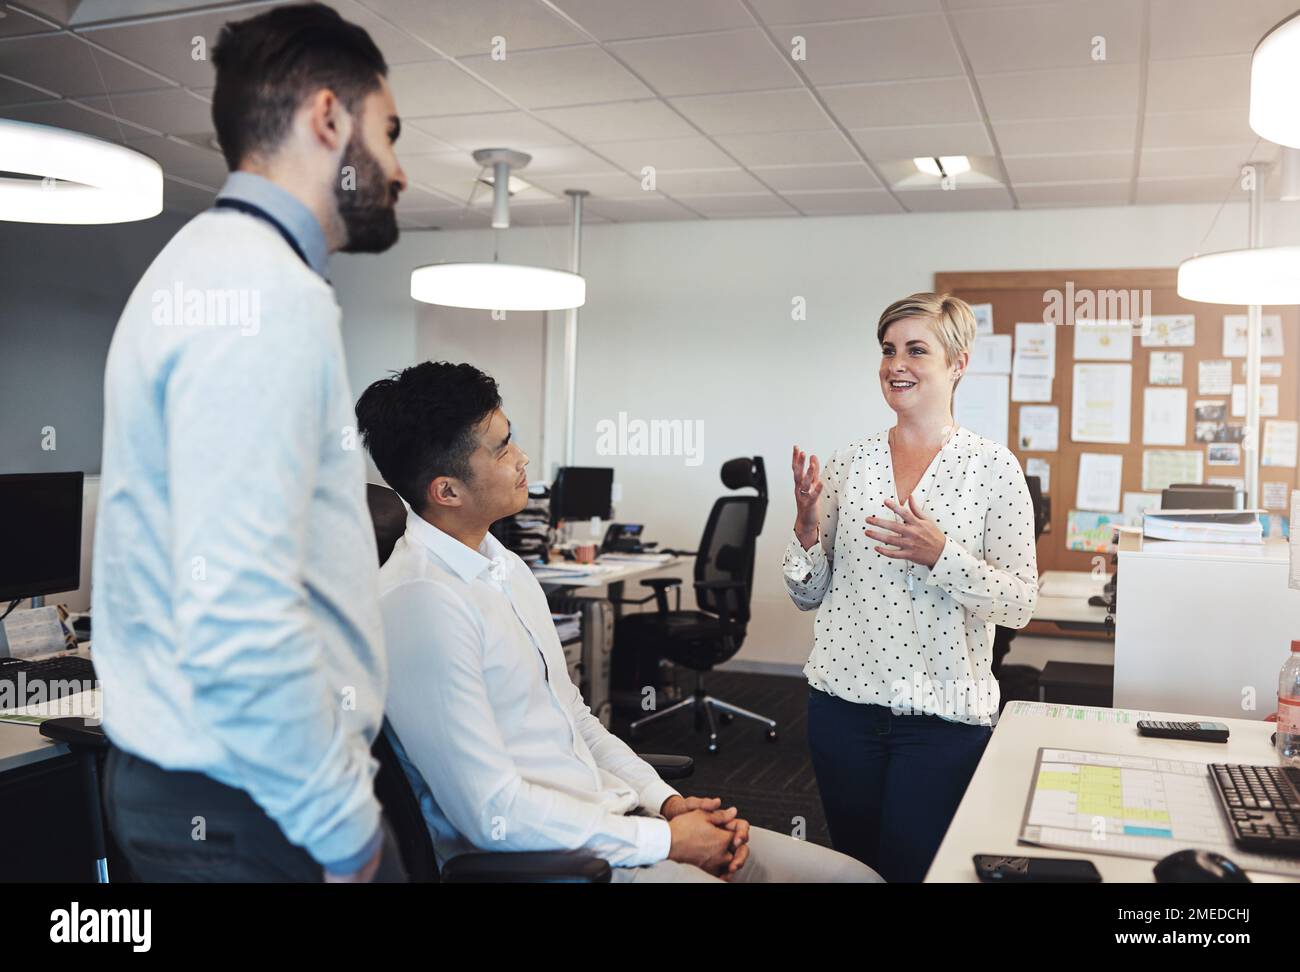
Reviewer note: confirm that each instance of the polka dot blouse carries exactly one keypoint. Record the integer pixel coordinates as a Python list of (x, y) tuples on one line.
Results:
[(896, 633)]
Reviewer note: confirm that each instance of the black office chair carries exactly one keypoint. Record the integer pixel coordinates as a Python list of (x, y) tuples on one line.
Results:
[(402, 808), (1020, 681), (724, 580)]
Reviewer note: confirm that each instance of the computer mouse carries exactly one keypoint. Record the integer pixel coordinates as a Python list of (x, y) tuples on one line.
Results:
[(1198, 867)]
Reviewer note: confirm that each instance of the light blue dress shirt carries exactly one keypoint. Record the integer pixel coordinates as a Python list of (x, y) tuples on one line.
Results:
[(237, 631)]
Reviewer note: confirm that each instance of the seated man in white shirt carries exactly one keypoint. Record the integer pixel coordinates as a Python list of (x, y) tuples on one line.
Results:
[(493, 734)]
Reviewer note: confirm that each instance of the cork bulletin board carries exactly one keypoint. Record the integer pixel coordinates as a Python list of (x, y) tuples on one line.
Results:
[(1018, 296)]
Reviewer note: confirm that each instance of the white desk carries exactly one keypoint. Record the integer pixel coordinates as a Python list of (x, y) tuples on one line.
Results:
[(1071, 612), (988, 819), (24, 745), (613, 579)]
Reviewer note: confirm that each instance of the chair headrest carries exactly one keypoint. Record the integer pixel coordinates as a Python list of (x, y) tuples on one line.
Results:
[(745, 471), (388, 514)]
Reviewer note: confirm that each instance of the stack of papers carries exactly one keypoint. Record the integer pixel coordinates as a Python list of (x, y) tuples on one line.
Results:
[(638, 558), (568, 626), (1204, 526)]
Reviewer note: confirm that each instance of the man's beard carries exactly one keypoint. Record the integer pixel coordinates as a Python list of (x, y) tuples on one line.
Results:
[(367, 210)]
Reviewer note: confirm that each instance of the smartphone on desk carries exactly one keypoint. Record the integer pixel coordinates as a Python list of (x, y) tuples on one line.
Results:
[(997, 869)]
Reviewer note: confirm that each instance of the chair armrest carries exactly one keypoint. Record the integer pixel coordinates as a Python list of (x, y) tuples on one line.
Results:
[(661, 585), (527, 867), (75, 732), (670, 766)]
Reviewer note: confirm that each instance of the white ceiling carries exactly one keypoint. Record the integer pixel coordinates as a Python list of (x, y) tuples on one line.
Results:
[(708, 94)]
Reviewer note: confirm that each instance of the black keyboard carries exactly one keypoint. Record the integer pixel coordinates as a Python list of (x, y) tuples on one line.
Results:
[(1262, 804), (78, 671)]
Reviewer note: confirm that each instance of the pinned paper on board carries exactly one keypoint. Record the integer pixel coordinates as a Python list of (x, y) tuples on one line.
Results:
[(983, 318), (981, 405), (1093, 532), (1166, 368), (1273, 495), (1136, 504), (1163, 467), (1164, 416), (1279, 444), (1268, 401), (1214, 378), (1098, 488), (1100, 409), (1169, 331), (1043, 470), (1223, 454), (1236, 334), (1039, 428), (991, 355), (1103, 340)]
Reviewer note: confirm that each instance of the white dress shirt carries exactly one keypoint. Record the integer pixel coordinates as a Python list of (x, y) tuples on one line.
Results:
[(493, 734), (896, 633)]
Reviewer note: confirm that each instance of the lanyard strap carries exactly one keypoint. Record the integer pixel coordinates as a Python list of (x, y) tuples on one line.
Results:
[(257, 212)]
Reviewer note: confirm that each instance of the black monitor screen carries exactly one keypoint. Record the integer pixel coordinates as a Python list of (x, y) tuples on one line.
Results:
[(41, 553), (581, 492)]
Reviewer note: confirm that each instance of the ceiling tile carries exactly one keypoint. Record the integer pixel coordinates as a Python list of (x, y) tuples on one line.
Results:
[(741, 60), (789, 149), (741, 204), (1172, 129), (184, 160), (638, 210), (620, 19), (800, 178), (70, 115), (418, 199), (458, 28), (1193, 28), (1102, 89), (840, 203), (173, 111), (559, 76), (180, 198), (1046, 136), (440, 88), (565, 159), (788, 110), (704, 182), (1049, 195), (1170, 163), (1196, 189), (454, 173), (1079, 167), (17, 93), (1200, 83), (888, 49), (62, 63), (606, 185), (618, 121), (811, 11), (169, 45), (1049, 36), (509, 129), (953, 200), (16, 22), (910, 141), (902, 103), (667, 153)]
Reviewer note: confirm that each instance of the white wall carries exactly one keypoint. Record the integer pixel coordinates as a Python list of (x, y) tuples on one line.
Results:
[(691, 320)]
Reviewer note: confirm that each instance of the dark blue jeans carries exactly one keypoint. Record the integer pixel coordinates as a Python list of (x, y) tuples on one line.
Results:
[(890, 784)]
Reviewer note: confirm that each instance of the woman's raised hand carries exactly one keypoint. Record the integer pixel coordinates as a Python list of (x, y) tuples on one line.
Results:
[(807, 496)]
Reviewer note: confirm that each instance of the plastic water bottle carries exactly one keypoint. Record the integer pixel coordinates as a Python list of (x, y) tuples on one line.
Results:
[(1288, 709)]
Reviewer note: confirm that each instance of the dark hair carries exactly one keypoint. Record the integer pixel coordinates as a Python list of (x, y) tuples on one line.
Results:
[(269, 64), (423, 423)]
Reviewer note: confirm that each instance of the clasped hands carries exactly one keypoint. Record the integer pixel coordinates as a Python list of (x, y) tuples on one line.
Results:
[(917, 538), (727, 850)]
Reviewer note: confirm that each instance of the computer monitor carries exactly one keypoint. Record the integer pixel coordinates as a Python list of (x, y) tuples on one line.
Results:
[(581, 492), (41, 552)]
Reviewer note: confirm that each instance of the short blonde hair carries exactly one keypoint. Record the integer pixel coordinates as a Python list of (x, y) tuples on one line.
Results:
[(949, 317)]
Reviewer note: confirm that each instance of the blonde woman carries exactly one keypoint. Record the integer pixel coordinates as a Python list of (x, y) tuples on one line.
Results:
[(912, 543)]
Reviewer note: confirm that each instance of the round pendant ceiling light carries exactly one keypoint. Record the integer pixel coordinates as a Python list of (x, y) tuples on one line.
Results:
[(52, 175), (1274, 81), (1265, 275), (498, 286)]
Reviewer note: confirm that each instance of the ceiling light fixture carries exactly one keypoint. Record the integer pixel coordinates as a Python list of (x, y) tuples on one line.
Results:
[(942, 165), (53, 175), (1274, 80), (498, 286)]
